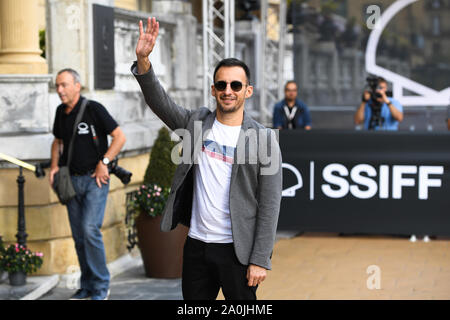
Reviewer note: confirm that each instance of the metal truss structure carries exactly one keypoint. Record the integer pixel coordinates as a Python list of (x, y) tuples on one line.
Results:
[(218, 39), (273, 22), (218, 43)]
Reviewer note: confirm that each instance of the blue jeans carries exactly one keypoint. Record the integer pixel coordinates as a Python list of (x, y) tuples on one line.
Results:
[(86, 212)]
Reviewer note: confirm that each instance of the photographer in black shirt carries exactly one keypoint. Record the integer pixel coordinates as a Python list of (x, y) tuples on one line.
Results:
[(89, 175)]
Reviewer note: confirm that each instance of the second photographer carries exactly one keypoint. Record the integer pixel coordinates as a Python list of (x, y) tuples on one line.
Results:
[(378, 110)]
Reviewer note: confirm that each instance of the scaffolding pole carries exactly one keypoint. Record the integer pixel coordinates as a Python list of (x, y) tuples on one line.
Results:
[(218, 39), (273, 21)]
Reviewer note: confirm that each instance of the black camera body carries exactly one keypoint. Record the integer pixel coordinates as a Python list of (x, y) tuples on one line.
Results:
[(375, 105), (372, 83), (119, 172)]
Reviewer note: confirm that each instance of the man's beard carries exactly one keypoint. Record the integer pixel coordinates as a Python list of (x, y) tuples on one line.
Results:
[(227, 110), (231, 110)]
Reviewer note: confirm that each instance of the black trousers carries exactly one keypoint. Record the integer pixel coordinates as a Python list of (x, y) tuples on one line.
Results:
[(207, 267)]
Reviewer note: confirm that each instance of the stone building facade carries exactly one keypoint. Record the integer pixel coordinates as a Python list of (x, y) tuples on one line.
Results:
[(28, 103)]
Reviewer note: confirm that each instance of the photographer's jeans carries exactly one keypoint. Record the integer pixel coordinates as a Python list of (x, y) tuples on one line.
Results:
[(86, 212)]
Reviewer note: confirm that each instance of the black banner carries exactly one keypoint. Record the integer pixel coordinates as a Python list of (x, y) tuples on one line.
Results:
[(366, 182)]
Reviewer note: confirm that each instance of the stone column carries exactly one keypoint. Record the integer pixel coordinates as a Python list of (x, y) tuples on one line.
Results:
[(19, 51)]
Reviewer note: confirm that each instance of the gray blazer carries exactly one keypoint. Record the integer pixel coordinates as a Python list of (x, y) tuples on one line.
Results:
[(254, 197)]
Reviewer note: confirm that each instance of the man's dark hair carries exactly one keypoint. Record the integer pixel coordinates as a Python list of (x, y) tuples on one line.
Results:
[(289, 82), (232, 62), (381, 79)]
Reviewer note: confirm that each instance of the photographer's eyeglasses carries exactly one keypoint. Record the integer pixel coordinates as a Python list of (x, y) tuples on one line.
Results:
[(236, 86)]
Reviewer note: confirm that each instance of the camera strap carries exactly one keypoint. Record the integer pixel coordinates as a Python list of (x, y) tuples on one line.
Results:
[(77, 122)]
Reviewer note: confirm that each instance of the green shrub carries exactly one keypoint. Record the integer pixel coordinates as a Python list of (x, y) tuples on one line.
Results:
[(161, 169), (152, 195), (42, 42)]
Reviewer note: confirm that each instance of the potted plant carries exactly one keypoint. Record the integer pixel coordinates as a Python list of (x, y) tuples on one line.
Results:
[(162, 252), (18, 261)]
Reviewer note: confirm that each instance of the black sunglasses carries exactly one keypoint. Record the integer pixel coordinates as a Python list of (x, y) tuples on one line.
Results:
[(222, 85)]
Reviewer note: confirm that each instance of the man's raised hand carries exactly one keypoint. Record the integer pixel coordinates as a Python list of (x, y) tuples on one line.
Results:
[(146, 43)]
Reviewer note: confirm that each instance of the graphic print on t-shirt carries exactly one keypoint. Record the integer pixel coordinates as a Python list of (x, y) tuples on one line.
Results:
[(217, 151), (210, 220)]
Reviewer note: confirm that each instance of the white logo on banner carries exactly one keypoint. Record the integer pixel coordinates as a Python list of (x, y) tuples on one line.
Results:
[(290, 192), (365, 185), (425, 95)]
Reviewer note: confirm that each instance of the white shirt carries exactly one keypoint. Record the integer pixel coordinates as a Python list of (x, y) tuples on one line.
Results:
[(210, 221)]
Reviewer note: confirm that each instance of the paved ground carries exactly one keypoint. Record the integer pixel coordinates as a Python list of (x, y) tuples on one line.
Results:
[(131, 285), (321, 266), (324, 266)]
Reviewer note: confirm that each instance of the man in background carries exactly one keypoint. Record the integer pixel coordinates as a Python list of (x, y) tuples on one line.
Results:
[(90, 177), (379, 112), (291, 112)]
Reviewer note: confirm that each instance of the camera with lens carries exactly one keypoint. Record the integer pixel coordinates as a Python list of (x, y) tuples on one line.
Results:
[(373, 85), (119, 172)]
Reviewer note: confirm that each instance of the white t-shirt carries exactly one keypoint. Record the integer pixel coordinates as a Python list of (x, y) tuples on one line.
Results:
[(210, 221)]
